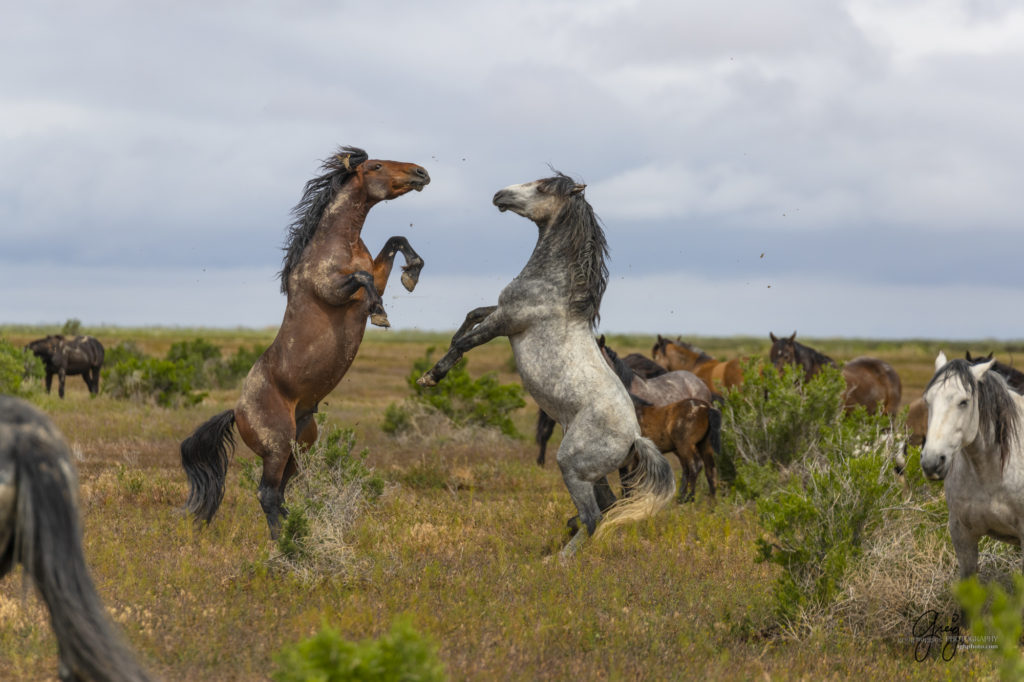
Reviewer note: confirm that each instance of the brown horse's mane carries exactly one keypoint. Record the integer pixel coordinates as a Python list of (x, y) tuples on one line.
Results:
[(316, 197), (580, 238)]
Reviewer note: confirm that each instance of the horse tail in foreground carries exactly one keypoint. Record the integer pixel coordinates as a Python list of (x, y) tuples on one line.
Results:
[(651, 486), (715, 429), (45, 536), (204, 456)]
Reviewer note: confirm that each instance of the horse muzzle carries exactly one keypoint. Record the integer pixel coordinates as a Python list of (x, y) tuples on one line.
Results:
[(935, 465), (503, 199), (420, 179)]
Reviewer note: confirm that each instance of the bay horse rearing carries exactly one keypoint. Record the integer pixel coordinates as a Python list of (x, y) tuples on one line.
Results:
[(548, 312), (333, 285)]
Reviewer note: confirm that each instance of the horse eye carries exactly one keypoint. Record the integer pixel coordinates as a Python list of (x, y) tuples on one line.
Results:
[(963, 403), (378, 166)]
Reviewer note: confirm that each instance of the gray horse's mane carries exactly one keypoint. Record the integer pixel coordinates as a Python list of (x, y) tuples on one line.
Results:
[(316, 197), (577, 236), (996, 408)]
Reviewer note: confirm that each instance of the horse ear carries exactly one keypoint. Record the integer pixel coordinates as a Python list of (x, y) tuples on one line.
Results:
[(979, 370), (967, 356), (578, 189), (773, 337), (940, 361), (792, 337)]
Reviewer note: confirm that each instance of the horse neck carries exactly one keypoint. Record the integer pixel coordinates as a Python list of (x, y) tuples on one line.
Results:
[(344, 217)]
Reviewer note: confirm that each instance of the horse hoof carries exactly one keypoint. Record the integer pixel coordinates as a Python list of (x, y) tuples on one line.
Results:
[(426, 380), (409, 279), (379, 320)]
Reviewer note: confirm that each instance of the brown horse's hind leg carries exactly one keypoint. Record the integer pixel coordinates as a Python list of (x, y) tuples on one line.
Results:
[(269, 431)]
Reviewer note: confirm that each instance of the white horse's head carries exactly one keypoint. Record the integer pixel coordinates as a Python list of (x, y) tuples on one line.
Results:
[(541, 201), (953, 413)]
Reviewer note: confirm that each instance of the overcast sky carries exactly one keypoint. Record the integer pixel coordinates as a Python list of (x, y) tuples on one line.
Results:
[(834, 168)]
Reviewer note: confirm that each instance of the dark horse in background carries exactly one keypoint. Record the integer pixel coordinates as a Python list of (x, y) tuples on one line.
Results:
[(333, 285), (40, 529), (65, 356), (641, 366), (870, 382)]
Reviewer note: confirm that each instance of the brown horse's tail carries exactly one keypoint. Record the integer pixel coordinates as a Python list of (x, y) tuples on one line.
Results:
[(652, 485), (204, 456), (715, 429)]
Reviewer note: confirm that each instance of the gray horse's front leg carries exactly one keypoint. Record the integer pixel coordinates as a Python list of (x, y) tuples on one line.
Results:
[(480, 326), (966, 547)]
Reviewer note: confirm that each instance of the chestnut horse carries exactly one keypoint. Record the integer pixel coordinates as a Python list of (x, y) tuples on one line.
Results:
[(870, 382), (332, 285), (690, 428), (717, 374)]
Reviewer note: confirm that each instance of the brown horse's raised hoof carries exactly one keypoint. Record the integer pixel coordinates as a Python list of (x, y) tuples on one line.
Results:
[(411, 276), (380, 320), (427, 380)]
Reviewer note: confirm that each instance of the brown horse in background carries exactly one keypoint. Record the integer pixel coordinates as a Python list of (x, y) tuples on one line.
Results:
[(67, 356), (333, 285), (870, 382), (690, 428), (719, 375)]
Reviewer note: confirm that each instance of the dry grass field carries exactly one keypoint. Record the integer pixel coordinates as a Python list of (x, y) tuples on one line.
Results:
[(460, 542)]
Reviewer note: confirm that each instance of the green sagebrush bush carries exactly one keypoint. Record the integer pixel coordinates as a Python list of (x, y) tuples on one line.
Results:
[(17, 368), (461, 398), (326, 497), (400, 655), (822, 478), (178, 378), (1001, 627)]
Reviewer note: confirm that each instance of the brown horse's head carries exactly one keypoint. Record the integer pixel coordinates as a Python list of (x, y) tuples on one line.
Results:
[(383, 180), (783, 351), (676, 355)]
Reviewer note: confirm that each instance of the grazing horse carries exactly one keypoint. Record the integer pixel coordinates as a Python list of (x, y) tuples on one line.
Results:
[(870, 382), (692, 429), (69, 356), (974, 445), (548, 312), (332, 285), (717, 374), (40, 529), (647, 379)]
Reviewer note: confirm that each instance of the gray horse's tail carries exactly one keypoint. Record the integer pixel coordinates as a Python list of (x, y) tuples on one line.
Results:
[(48, 543), (652, 485), (204, 456)]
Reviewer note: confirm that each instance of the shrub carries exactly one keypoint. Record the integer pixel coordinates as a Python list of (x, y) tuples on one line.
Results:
[(72, 327), (163, 382), (327, 496), (1001, 628), (200, 359), (822, 479), (462, 399), (400, 654), (17, 366)]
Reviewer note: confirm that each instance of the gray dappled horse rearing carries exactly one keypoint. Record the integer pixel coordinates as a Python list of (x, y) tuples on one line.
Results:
[(40, 529), (548, 312)]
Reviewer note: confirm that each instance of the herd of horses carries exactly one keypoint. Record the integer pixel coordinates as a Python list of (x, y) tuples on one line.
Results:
[(618, 414)]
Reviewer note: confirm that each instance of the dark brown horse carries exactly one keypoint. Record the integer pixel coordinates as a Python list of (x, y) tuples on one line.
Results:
[(870, 382), (690, 428), (719, 375), (66, 356), (41, 530), (333, 285)]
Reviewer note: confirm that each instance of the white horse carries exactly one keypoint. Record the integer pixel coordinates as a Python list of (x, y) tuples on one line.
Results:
[(548, 312), (975, 433)]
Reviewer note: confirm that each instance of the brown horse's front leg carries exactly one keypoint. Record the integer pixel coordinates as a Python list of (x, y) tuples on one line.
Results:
[(342, 287), (480, 326), (385, 260)]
